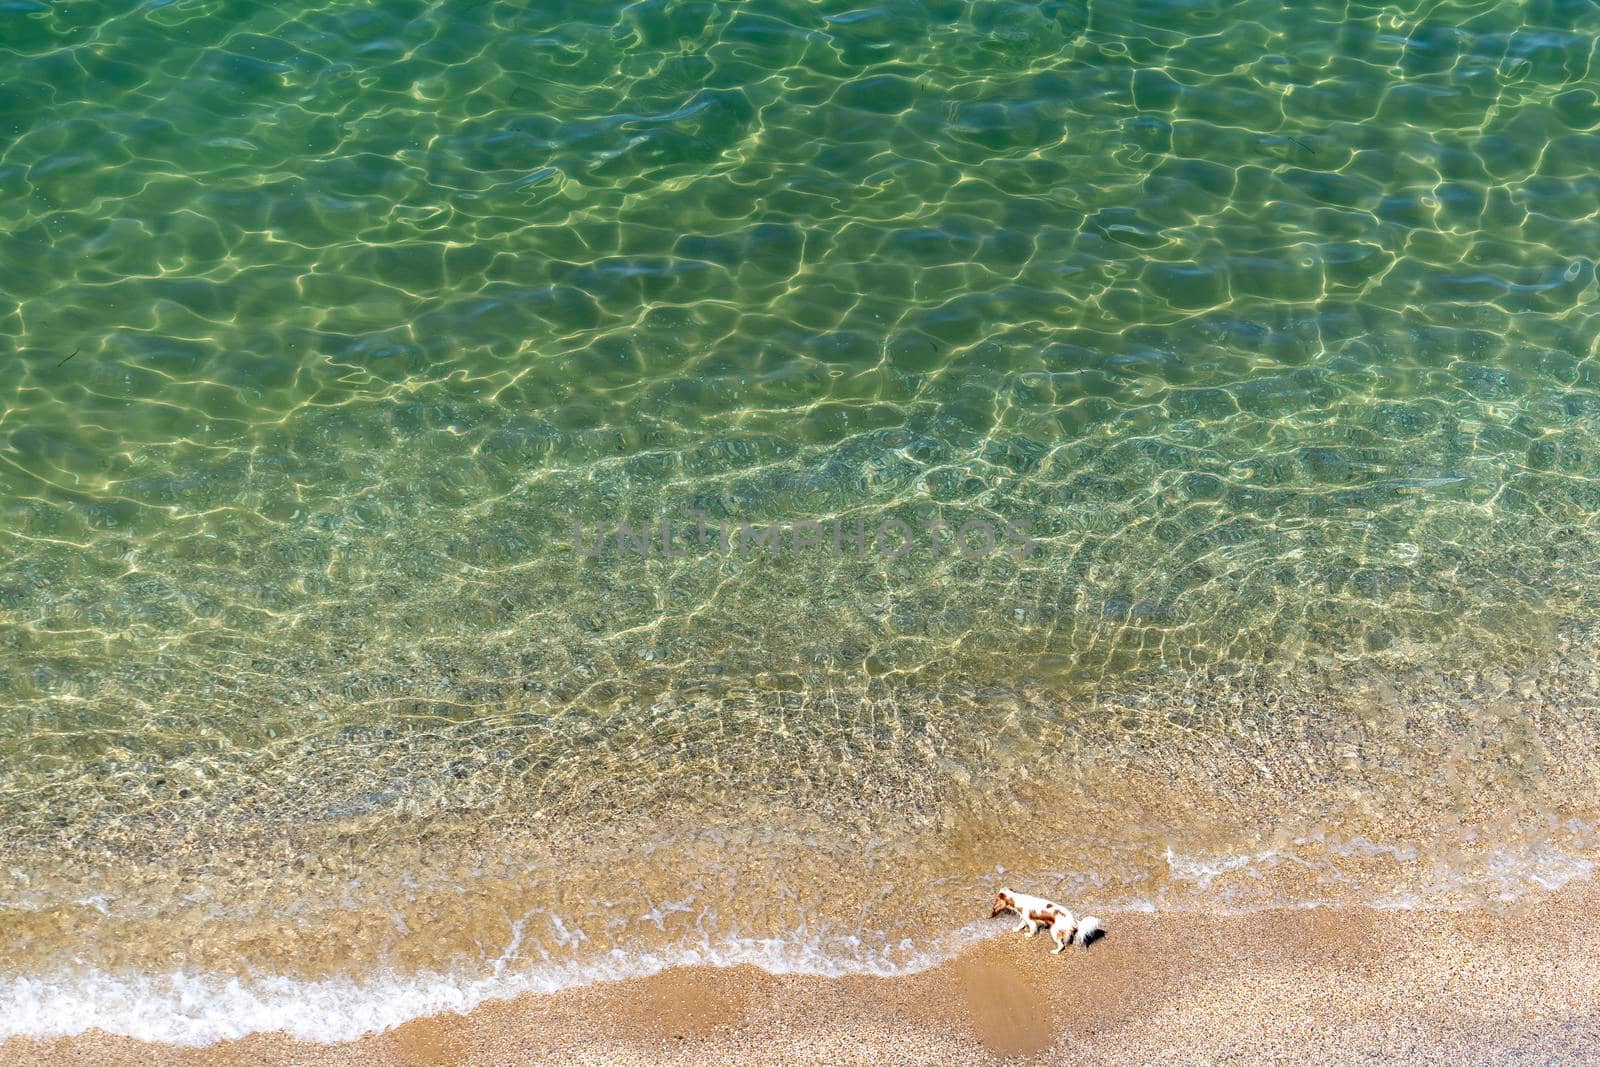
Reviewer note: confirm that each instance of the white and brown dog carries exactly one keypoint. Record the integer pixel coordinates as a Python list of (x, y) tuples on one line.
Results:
[(1064, 928)]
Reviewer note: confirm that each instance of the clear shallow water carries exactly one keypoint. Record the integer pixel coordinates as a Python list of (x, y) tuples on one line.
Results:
[(322, 325)]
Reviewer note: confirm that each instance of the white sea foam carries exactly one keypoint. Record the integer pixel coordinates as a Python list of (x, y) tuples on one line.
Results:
[(190, 1009), (1502, 873)]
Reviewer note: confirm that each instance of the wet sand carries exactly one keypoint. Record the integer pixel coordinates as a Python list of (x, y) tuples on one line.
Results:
[(1519, 984)]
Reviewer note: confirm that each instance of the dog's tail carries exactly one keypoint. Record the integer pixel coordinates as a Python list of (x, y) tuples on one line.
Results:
[(1089, 931)]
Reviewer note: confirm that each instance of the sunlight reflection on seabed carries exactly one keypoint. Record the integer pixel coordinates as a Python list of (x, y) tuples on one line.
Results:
[(891, 538)]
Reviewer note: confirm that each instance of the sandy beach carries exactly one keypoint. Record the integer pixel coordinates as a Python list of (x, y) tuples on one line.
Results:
[(1514, 985)]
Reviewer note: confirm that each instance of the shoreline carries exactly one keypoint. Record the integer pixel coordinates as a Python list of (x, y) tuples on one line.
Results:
[(1343, 984)]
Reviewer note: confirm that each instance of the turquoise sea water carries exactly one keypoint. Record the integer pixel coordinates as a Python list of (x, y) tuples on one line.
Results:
[(1269, 332)]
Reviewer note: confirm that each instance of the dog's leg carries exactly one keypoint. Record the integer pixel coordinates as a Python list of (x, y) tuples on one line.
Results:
[(1021, 926), (1061, 942), (1033, 928)]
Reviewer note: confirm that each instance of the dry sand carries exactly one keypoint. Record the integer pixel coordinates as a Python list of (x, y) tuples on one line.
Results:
[(1513, 985)]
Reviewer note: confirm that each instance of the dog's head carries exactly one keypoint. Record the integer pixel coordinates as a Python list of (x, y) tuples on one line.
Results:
[(1003, 902)]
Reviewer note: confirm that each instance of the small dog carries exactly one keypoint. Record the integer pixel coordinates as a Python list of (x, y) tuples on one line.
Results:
[(1064, 928)]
